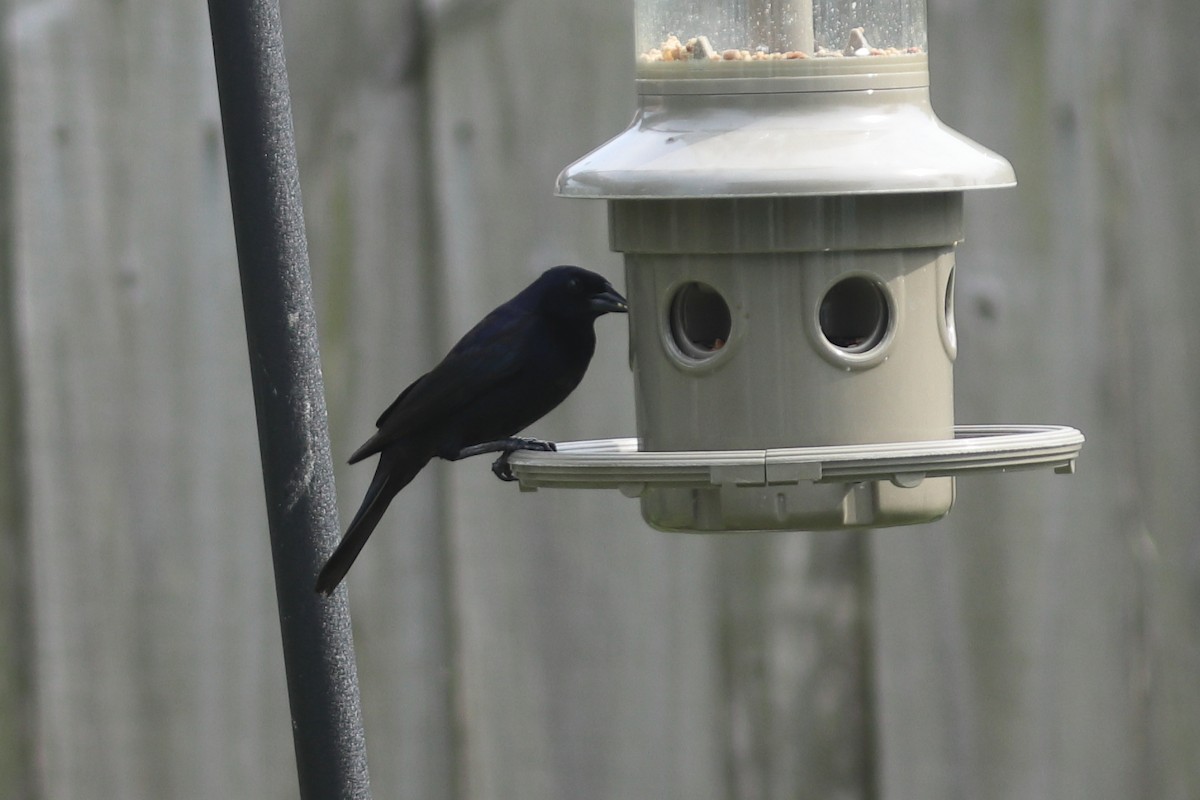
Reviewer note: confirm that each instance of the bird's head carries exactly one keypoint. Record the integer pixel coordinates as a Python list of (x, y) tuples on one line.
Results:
[(575, 293)]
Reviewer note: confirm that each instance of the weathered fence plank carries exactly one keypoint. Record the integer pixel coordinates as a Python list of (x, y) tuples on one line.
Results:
[(156, 661), (361, 115), (18, 717), (585, 641), (1037, 643)]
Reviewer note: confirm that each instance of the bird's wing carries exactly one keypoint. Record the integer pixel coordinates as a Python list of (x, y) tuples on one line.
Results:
[(387, 412), (489, 355)]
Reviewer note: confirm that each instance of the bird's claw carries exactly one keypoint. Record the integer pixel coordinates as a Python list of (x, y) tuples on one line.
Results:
[(503, 470), (541, 445)]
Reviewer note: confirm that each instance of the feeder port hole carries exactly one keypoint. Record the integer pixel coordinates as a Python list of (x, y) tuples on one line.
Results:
[(947, 328), (855, 314), (699, 321)]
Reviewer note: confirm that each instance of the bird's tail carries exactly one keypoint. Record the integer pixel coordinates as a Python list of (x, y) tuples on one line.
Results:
[(393, 473)]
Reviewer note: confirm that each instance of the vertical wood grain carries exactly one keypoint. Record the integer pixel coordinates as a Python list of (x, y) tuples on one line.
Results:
[(156, 656), (361, 112), (586, 649), (1035, 642), (18, 718)]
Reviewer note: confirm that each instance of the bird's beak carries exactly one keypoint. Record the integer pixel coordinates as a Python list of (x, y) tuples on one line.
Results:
[(608, 300)]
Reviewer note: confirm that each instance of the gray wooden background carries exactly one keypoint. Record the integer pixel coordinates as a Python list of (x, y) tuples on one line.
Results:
[(1041, 642)]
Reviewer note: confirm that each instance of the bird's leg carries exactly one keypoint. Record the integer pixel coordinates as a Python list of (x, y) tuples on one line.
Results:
[(506, 447), (503, 470)]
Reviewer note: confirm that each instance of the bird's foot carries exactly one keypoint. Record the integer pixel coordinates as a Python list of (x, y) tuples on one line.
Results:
[(503, 470)]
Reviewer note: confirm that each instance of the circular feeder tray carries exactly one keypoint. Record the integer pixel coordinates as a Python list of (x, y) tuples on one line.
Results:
[(618, 464)]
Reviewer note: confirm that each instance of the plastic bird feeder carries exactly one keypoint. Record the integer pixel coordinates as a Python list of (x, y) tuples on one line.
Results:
[(789, 205)]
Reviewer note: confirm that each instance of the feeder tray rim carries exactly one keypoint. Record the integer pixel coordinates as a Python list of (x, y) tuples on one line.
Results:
[(618, 464)]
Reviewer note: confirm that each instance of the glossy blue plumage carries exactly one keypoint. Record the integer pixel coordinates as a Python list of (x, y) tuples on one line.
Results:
[(512, 368)]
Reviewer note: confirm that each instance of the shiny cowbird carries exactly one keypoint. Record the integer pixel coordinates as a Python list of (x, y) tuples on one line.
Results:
[(507, 372)]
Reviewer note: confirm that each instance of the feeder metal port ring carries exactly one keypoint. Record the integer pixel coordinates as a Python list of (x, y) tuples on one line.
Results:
[(618, 464)]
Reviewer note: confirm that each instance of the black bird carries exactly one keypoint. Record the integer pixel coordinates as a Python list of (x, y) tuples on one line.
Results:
[(506, 373)]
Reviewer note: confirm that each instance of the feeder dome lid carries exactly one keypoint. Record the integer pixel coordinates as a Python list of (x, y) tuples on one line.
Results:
[(766, 144)]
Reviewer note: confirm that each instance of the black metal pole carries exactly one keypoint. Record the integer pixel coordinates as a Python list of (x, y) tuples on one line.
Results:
[(289, 395)]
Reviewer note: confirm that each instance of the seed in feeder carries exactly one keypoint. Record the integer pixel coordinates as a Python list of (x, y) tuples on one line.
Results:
[(673, 49), (858, 45), (703, 49), (700, 48)]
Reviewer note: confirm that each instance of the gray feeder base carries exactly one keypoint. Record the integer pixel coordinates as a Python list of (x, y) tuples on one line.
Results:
[(798, 488)]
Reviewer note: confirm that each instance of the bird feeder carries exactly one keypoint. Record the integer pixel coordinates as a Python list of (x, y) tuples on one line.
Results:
[(788, 207)]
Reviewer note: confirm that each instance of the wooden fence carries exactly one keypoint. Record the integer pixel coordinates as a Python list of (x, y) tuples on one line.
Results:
[(1041, 642)]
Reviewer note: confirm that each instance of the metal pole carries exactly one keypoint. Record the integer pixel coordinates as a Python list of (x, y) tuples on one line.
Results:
[(288, 394)]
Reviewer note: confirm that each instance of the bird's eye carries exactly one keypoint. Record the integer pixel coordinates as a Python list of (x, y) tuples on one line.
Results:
[(573, 284)]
